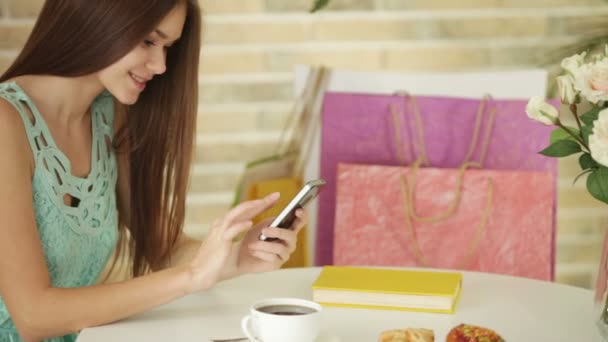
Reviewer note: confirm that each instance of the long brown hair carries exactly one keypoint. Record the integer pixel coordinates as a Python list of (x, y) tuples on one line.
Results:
[(78, 37)]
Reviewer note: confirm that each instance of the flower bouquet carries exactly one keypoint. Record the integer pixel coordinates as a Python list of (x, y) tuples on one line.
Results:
[(583, 84)]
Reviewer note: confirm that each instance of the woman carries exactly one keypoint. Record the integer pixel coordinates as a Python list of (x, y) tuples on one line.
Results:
[(97, 118)]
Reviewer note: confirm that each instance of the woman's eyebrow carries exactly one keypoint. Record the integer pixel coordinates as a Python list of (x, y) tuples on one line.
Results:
[(162, 34), (165, 36)]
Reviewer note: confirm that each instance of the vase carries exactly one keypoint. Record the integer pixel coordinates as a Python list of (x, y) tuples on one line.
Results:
[(601, 291)]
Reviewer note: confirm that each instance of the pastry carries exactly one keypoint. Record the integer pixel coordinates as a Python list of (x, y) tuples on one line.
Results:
[(407, 335), (472, 333)]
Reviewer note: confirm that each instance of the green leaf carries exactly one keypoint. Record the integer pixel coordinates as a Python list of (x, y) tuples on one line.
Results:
[(590, 116), (319, 5), (586, 162), (561, 148), (597, 184), (561, 134)]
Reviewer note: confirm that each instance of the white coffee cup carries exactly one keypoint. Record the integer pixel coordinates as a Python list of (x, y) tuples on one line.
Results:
[(283, 319)]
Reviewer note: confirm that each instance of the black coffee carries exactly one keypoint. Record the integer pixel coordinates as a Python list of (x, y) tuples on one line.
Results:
[(287, 310)]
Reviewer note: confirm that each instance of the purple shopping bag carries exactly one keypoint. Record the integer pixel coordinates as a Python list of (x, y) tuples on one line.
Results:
[(360, 128)]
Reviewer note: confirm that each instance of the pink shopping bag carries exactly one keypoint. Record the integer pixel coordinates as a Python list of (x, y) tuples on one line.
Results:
[(502, 223), (358, 128)]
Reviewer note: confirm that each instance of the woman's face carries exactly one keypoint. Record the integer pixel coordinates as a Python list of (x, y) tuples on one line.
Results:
[(127, 78)]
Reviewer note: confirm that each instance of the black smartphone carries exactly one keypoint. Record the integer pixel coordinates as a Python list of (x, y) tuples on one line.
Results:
[(285, 219)]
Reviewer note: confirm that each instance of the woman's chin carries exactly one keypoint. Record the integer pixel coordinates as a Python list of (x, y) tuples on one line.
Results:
[(127, 99)]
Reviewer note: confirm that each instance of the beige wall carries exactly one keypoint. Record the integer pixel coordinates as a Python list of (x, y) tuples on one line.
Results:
[(251, 46)]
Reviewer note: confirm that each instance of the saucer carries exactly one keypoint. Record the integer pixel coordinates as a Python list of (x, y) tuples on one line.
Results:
[(326, 336)]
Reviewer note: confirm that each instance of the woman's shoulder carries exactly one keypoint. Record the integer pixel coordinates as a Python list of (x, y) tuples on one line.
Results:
[(13, 139), (10, 118), (9, 115)]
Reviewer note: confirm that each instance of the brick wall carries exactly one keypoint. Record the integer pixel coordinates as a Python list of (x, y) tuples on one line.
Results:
[(250, 47)]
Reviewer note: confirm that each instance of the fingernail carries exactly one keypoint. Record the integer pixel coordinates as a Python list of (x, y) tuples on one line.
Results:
[(275, 195)]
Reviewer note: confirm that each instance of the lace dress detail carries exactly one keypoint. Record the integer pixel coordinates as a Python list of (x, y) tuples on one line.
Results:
[(77, 239)]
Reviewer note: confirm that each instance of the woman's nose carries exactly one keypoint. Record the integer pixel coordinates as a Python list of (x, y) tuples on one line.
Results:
[(157, 62)]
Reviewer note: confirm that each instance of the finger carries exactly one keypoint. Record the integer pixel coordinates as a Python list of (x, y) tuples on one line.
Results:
[(286, 235), (216, 228), (249, 209), (279, 249), (302, 214), (269, 247), (234, 230), (301, 221), (269, 257), (288, 238), (298, 225)]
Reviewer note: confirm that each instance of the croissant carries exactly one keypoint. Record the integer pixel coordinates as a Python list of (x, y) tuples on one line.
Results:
[(407, 335), (472, 333)]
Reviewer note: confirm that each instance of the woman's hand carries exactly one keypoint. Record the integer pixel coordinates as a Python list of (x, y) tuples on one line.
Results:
[(214, 255), (255, 255)]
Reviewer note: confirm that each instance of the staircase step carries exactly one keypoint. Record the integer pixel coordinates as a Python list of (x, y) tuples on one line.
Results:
[(247, 118), (280, 6), (374, 26), (402, 25), (240, 147), (14, 32), (419, 56), (582, 221), (31, 8), (267, 59), (256, 88), (260, 116), (579, 274), (7, 57), (202, 209), (216, 177), (466, 54)]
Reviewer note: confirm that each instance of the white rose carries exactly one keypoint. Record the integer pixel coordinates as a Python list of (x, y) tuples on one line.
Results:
[(591, 80), (572, 63), (567, 92), (539, 110), (598, 140)]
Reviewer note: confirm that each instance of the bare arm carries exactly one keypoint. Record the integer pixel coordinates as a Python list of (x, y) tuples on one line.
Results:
[(187, 248), (38, 309)]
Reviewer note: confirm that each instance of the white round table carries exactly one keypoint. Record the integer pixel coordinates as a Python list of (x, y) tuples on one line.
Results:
[(517, 308)]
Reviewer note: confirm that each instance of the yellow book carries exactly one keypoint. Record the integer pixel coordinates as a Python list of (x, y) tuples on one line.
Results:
[(429, 291)]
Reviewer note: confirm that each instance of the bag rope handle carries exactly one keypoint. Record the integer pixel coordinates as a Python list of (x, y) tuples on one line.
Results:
[(422, 160), (408, 191)]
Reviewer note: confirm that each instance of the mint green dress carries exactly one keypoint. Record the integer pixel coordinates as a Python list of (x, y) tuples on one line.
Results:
[(77, 239)]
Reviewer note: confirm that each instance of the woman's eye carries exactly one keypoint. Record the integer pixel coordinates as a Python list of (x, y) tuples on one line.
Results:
[(148, 42)]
